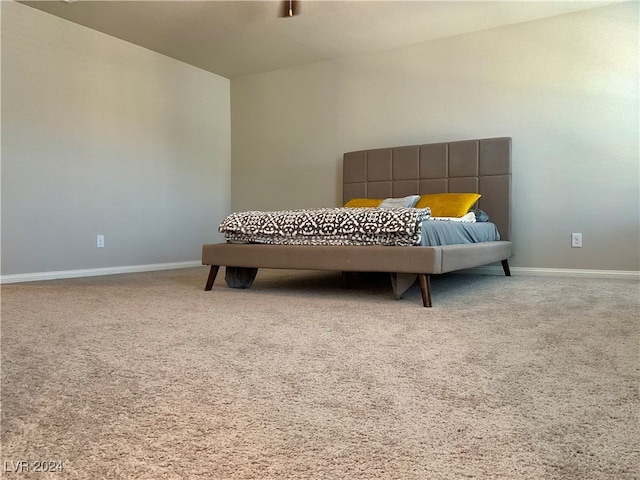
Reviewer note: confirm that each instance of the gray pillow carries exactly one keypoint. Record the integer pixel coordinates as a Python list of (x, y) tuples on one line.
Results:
[(403, 202), (481, 215)]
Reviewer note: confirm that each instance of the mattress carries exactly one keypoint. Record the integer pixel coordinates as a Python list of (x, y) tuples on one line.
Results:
[(435, 233), (354, 226)]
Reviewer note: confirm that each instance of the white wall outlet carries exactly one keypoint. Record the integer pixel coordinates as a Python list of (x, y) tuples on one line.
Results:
[(576, 240), (100, 241)]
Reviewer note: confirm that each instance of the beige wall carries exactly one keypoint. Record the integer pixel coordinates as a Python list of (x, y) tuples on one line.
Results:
[(103, 137), (565, 88)]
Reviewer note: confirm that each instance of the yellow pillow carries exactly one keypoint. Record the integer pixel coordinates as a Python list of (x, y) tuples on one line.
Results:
[(448, 204), (363, 202)]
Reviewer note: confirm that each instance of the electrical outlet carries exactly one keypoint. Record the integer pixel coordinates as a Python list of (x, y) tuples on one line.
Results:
[(100, 241), (576, 240)]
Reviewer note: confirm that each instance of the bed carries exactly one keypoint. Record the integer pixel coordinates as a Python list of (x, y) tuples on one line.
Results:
[(482, 166)]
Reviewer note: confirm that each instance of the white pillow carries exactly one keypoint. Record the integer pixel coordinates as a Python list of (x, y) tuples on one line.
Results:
[(468, 218), (404, 202)]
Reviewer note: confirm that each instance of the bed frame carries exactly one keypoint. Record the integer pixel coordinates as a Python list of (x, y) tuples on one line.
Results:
[(482, 166)]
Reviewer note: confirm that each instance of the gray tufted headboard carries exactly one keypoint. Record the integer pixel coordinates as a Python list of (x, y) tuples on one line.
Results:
[(482, 166)]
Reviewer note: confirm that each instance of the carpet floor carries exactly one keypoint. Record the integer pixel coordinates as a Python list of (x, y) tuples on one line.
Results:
[(147, 376)]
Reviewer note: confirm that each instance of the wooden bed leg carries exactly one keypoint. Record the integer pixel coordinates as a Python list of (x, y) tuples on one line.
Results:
[(347, 279), (505, 267), (213, 272), (425, 289)]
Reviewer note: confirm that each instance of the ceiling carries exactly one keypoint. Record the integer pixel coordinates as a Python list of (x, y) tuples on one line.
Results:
[(238, 38)]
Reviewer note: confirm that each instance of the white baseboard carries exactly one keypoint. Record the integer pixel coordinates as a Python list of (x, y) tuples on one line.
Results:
[(95, 272), (486, 270), (556, 272)]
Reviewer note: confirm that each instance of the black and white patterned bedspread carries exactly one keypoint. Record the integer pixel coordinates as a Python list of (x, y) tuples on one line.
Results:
[(328, 226)]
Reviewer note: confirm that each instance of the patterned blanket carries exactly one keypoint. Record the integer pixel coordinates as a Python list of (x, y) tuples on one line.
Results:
[(328, 226)]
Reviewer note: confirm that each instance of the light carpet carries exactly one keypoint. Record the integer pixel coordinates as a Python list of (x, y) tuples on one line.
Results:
[(147, 376)]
